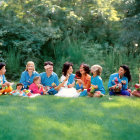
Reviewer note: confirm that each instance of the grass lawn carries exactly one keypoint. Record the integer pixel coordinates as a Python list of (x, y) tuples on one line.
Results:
[(49, 117)]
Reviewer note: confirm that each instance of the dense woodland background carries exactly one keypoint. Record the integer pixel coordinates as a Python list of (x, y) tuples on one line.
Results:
[(105, 32)]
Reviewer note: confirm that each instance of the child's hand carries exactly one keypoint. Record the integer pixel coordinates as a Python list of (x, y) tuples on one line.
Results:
[(79, 81), (3, 85), (95, 86), (123, 82), (46, 88), (7, 84), (120, 85), (113, 87), (71, 85), (40, 86), (67, 77)]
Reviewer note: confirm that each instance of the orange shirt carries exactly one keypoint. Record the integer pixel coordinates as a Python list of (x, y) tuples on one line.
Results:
[(87, 80)]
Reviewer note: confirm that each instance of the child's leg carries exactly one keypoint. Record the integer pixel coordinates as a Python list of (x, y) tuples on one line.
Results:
[(83, 93), (125, 92), (135, 93), (90, 94), (98, 94), (52, 91), (111, 93)]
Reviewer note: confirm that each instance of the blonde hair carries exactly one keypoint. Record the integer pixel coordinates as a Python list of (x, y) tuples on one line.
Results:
[(28, 63), (97, 69)]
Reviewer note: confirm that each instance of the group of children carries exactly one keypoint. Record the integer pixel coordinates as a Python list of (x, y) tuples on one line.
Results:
[(71, 85)]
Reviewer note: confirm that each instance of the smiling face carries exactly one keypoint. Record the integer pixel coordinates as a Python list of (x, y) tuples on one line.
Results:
[(70, 70), (121, 71), (38, 81), (19, 87), (30, 67), (3, 70), (49, 69), (82, 71)]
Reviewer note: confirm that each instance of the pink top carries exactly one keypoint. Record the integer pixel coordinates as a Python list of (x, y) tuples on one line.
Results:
[(34, 88)]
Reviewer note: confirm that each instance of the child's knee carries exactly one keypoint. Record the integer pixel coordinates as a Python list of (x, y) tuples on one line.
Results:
[(97, 94)]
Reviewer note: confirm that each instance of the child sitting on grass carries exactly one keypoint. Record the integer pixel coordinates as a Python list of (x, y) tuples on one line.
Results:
[(97, 89), (36, 87), (79, 86), (4, 85), (18, 90)]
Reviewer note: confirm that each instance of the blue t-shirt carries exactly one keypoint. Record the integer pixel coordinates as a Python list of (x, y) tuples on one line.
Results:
[(113, 78), (47, 81), (97, 81), (26, 80), (71, 79), (2, 79)]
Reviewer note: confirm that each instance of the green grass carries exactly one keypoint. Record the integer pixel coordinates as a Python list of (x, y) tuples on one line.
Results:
[(55, 118)]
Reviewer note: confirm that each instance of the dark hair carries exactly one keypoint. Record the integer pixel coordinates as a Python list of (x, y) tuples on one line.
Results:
[(48, 63), (66, 66), (127, 73), (2, 65), (86, 68), (19, 84), (78, 74)]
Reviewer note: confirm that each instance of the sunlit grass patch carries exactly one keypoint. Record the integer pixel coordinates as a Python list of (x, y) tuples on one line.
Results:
[(49, 117)]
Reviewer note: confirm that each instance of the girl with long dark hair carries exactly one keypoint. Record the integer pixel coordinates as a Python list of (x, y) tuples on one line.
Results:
[(118, 82), (68, 80)]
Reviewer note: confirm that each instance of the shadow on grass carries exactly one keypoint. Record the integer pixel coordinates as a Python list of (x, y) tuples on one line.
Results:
[(49, 117)]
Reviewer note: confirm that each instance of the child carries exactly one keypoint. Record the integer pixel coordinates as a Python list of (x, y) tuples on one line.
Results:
[(97, 89), (137, 91), (4, 85), (79, 86), (18, 90), (36, 87)]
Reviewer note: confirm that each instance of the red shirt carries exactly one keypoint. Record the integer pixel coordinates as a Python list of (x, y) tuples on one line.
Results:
[(35, 89), (87, 80)]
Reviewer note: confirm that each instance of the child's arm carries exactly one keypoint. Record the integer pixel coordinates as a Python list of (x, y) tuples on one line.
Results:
[(125, 84), (71, 85), (4, 79), (62, 84), (5, 82)]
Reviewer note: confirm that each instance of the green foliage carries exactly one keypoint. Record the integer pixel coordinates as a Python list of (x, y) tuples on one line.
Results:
[(13, 64), (91, 31), (111, 58)]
